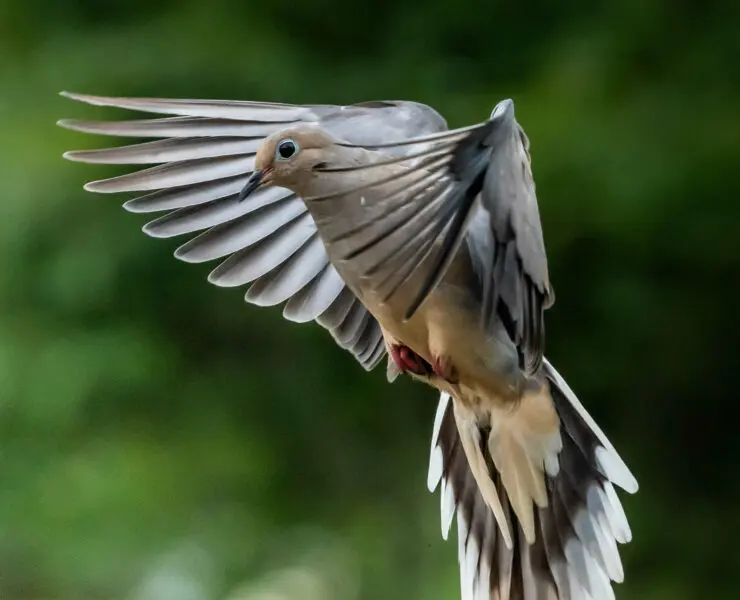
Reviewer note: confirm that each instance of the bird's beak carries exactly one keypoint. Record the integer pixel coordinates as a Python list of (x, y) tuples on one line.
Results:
[(256, 179)]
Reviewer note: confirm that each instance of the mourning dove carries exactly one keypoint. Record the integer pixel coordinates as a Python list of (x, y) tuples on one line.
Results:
[(407, 239)]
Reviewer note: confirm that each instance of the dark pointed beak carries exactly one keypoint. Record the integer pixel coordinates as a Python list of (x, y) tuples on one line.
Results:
[(254, 181)]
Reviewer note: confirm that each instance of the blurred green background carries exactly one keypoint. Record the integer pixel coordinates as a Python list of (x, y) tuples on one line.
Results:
[(162, 440)]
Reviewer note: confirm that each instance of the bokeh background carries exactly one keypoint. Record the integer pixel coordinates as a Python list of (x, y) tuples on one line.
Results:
[(162, 440)]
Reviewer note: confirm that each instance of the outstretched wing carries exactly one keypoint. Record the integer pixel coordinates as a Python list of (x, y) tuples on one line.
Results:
[(203, 157), (472, 184), (508, 247)]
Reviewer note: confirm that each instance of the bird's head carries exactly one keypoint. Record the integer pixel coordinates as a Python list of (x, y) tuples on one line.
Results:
[(287, 157)]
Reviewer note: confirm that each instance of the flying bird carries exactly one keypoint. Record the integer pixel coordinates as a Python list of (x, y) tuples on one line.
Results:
[(420, 246)]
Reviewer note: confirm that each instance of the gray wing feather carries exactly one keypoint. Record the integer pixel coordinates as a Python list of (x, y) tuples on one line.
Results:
[(310, 302), (416, 199), (515, 269), (432, 193), (230, 236), (186, 172), (172, 127), (204, 216), (378, 353), (291, 276), (204, 160), (169, 150), (333, 317), (256, 260), (349, 332), (268, 112), (185, 196)]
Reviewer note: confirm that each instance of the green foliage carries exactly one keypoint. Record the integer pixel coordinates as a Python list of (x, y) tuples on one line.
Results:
[(163, 440)]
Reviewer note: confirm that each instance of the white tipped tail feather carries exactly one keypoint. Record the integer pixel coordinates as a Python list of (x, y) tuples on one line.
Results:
[(560, 542)]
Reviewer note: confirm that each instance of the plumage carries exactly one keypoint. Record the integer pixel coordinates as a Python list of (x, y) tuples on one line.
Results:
[(375, 342), (479, 173), (208, 154), (173, 127), (224, 238), (186, 172), (205, 216), (219, 109), (376, 356), (316, 297), (256, 260), (291, 276), (352, 325), (162, 151), (338, 311), (392, 371), (186, 196), (574, 554), (402, 231)]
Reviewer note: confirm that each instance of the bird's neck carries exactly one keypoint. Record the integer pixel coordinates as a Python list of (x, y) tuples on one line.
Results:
[(322, 183)]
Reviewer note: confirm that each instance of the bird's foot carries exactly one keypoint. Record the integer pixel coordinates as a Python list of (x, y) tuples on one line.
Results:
[(444, 369), (408, 360)]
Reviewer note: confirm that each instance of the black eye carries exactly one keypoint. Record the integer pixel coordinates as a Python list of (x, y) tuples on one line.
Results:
[(286, 149)]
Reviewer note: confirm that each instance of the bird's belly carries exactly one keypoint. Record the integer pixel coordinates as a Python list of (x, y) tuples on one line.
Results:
[(440, 325), (447, 327)]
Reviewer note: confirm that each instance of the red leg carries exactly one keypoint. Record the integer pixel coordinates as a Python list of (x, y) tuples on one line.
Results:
[(407, 360)]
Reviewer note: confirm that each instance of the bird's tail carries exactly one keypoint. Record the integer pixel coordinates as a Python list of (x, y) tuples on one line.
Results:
[(538, 516)]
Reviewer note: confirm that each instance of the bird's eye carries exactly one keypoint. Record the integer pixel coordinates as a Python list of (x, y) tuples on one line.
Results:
[(286, 149)]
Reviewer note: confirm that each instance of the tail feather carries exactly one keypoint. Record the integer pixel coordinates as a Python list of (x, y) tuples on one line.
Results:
[(471, 440), (522, 442), (571, 553), (607, 459)]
